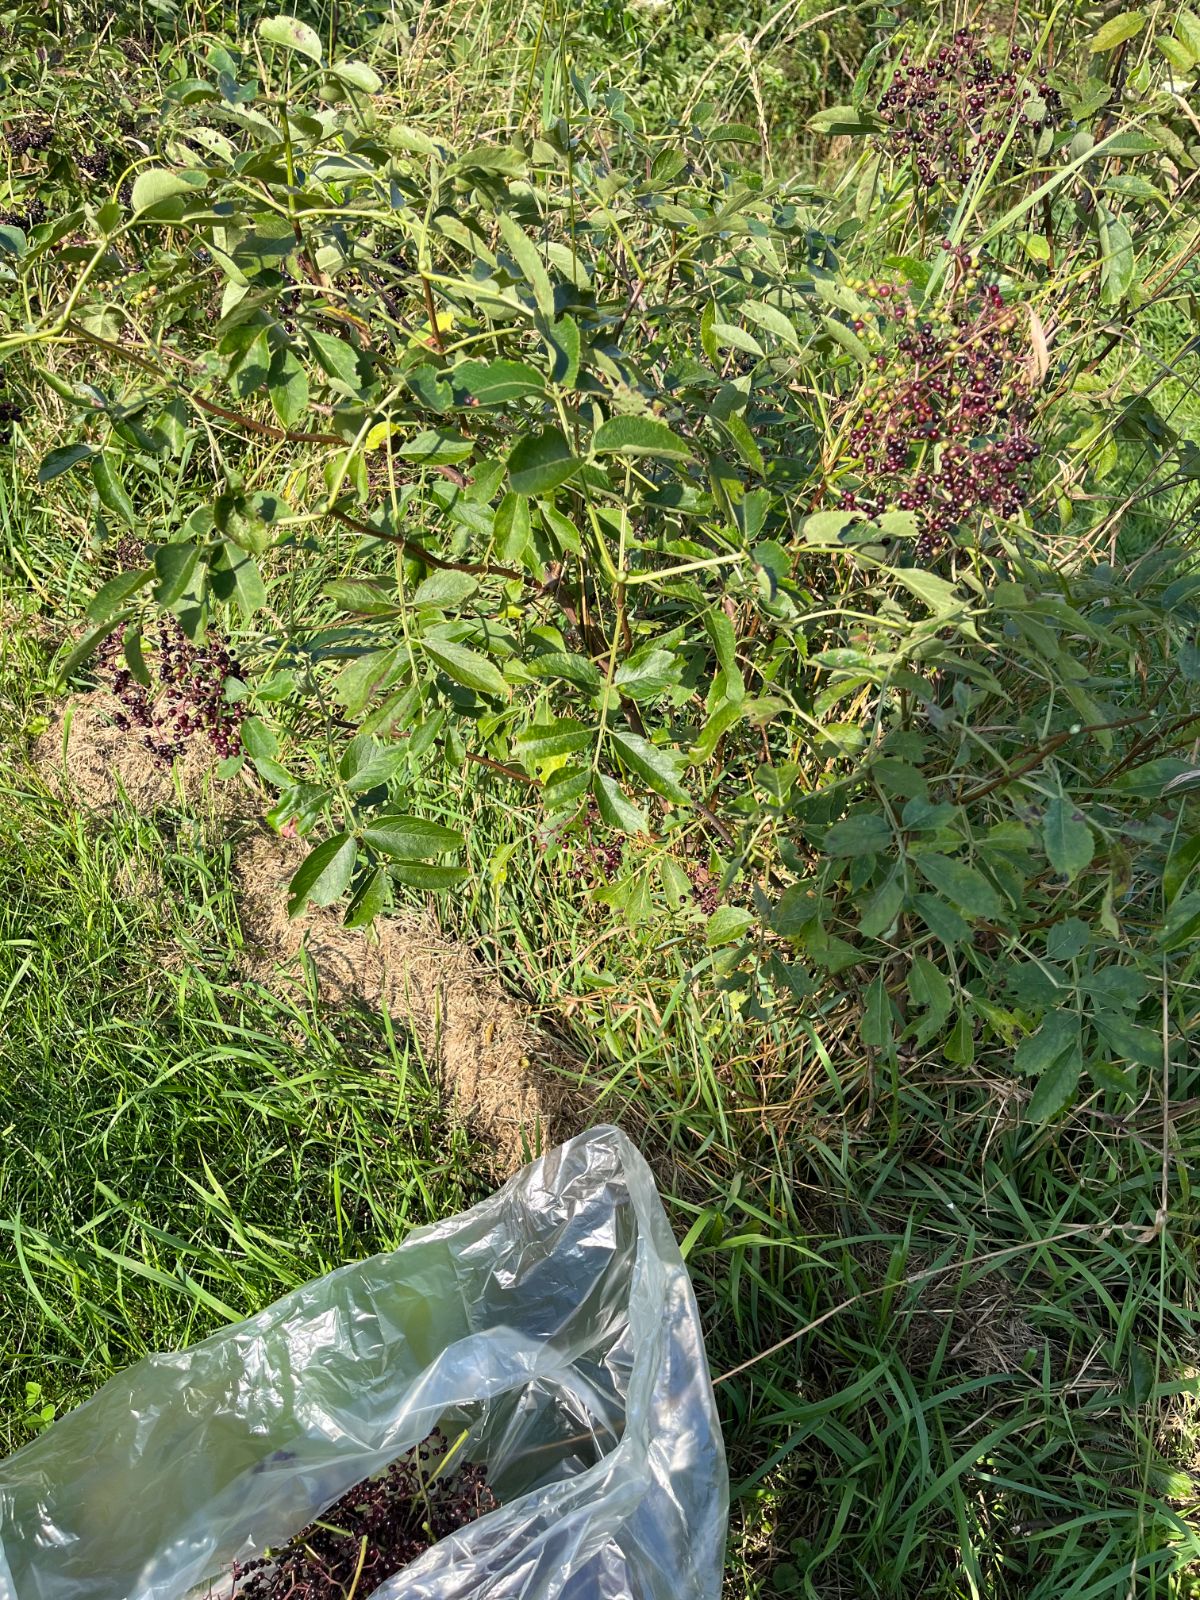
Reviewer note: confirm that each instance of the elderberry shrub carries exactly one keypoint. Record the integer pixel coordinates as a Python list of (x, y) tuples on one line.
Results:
[(416, 1502), (941, 427), (186, 698), (950, 114)]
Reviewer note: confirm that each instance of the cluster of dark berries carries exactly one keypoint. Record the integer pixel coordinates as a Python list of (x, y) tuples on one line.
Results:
[(941, 427), (705, 887), (951, 113), (416, 1502), (95, 164), (10, 412), (186, 702), (34, 214), (32, 135)]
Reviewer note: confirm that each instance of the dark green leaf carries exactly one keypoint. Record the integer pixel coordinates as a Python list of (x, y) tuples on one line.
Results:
[(962, 884), (1035, 1054), (639, 436), (1056, 1087), (615, 808), (110, 489), (468, 667), (63, 459), (435, 879), (370, 898), (494, 382), (539, 462), (658, 767), (861, 835), (543, 740), (111, 595), (175, 565), (287, 384), (324, 874), (1067, 837), (411, 838)]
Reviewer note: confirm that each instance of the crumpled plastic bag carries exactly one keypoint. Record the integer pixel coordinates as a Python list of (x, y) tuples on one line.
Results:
[(554, 1322)]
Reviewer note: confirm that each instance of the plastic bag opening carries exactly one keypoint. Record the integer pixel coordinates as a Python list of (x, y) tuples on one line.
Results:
[(554, 1323)]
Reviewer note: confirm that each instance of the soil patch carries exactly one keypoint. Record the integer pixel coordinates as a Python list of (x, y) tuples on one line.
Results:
[(84, 753), (496, 1069)]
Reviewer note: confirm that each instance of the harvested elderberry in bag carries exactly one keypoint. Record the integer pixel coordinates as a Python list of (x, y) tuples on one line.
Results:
[(529, 1377)]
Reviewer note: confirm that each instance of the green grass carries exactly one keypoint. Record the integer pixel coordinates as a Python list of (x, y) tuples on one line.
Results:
[(1002, 1405), (956, 1356), (177, 1146)]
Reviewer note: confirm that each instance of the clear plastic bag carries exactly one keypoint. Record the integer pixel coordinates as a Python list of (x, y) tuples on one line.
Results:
[(554, 1322)]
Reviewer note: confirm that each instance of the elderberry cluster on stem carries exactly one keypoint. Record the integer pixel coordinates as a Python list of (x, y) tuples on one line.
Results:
[(941, 427), (416, 1502), (950, 113), (31, 135), (186, 698)]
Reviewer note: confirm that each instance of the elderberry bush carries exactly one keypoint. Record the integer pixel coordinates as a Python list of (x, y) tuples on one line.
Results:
[(375, 1529), (941, 426), (950, 113)]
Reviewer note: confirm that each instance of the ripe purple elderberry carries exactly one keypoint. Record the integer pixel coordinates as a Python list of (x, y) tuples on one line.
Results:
[(949, 114), (943, 430)]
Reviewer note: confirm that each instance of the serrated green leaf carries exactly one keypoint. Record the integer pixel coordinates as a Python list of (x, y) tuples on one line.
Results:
[(861, 835), (468, 667), (1128, 1041), (430, 876), (491, 383), (110, 489), (1116, 31), (963, 885), (1056, 1087), (726, 924), (1058, 1032), (658, 767), (541, 741), (62, 460), (572, 668), (110, 596), (287, 384), (359, 679), (1116, 257), (539, 462), (532, 268), (1068, 839), (563, 342), (370, 898), (884, 906), (408, 838), (615, 808), (324, 874), (153, 185), (638, 436), (175, 565)]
